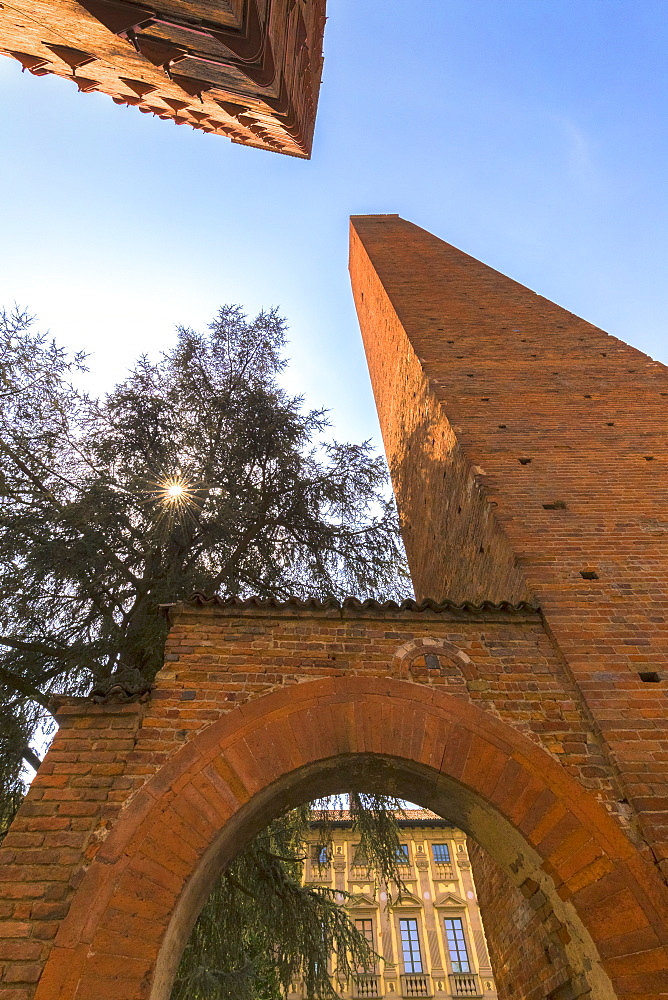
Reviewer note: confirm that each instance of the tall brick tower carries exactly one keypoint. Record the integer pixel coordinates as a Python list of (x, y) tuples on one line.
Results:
[(528, 456)]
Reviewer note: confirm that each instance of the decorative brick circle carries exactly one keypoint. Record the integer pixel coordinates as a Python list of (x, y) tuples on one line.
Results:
[(427, 658)]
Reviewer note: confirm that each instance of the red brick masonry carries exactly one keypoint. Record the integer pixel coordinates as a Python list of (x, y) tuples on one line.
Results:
[(137, 806), (246, 69), (528, 457)]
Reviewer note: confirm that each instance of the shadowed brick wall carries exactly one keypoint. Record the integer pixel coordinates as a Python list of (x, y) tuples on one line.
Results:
[(526, 949), (528, 456)]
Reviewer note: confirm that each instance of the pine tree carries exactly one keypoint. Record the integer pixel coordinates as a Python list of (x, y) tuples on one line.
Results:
[(198, 472), (263, 928)]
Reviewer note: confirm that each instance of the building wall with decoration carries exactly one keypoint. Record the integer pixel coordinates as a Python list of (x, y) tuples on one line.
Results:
[(430, 937)]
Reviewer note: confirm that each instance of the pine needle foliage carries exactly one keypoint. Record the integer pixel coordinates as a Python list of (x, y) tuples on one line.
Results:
[(262, 928), (89, 544)]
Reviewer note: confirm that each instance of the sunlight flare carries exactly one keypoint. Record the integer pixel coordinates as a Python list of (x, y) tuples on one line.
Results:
[(176, 496)]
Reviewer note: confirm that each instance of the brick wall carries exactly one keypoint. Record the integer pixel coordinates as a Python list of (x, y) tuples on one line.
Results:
[(526, 944), (542, 441), (73, 801), (549, 437), (454, 543), (110, 765)]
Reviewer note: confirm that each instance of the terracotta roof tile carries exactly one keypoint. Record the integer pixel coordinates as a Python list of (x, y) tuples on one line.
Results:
[(350, 605)]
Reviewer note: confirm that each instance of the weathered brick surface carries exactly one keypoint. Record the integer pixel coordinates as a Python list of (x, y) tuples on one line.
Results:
[(528, 455), (73, 801), (513, 672), (99, 867), (526, 946)]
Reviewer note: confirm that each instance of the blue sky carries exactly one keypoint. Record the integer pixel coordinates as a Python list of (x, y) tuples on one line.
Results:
[(530, 133)]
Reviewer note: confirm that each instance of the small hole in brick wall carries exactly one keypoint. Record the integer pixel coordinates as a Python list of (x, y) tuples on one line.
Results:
[(555, 505), (524, 461), (503, 426), (664, 393), (631, 370), (649, 458), (649, 676), (485, 399), (610, 423), (524, 340), (459, 357), (470, 375), (603, 354), (451, 341), (481, 549), (459, 510), (588, 574), (587, 397)]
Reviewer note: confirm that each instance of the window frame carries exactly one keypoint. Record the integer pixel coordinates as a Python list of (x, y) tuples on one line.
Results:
[(412, 971), (404, 855), (317, 855), (357, 858), (366, 920), (455, 959), (439, 861), (371, 940)]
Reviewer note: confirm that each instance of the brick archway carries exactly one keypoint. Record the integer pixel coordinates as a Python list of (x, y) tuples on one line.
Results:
[(136, 904)]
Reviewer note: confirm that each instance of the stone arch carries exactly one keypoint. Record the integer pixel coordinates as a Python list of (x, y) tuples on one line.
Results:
[(133, 911)]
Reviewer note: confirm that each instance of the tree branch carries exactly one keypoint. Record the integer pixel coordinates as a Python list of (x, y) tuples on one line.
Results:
[(237, 885), (19, 683), (59, 652)]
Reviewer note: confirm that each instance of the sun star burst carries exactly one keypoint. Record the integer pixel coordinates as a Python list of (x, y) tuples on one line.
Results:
[(175, 491), (176, 497)]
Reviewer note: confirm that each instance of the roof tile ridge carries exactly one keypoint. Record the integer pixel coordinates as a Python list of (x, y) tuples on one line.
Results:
[(356, 604)]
